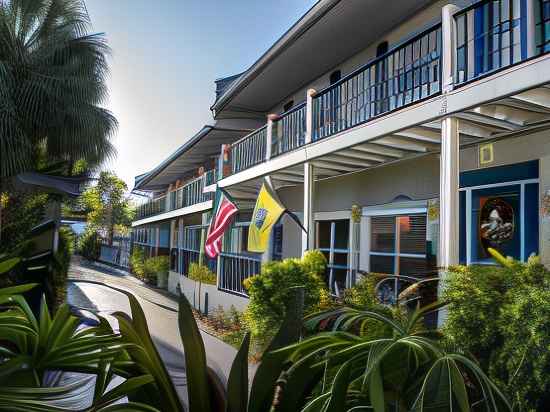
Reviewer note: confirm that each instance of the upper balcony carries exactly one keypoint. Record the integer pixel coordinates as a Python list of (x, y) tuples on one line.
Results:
[(389, 108), (184, 199)]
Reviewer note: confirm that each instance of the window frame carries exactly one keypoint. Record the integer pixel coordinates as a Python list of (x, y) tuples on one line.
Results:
[(469, 244), (332, 217), (395, 210)]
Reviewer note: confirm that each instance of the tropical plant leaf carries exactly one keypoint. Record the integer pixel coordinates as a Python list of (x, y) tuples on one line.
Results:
[(135, 330), (270, 368), (376, 391), (237, 385), (8, 264), (124, 389), (195, 359)]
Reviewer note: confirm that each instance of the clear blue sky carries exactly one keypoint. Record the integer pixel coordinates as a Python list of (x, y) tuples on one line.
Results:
[(166, 56)]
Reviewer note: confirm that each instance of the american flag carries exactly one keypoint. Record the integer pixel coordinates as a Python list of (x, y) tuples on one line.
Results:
[(223, 212)]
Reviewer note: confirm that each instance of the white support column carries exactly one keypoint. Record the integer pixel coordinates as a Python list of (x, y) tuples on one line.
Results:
[(449, 159), (269, 135), (220, 163), (309, 115), (448, 194), (308, 239)]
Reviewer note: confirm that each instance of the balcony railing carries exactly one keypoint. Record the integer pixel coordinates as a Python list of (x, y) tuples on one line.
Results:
[(188, 195), (494, 34), (249, 151), (234, 269), (404, 75), (152, 208), (289, 130)]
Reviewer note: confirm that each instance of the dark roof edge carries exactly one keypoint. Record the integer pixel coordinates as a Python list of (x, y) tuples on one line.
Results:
[(312, 16)]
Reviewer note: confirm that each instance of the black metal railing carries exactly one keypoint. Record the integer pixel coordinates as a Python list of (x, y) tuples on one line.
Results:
[(495, 34), (289, 130), (249, 151), (407, 74), (186, 258), (234, 269), (188, 195)]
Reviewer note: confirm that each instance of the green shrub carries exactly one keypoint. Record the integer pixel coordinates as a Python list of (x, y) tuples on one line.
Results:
[(137, 258), (153, 266), (502, 316), (270, 290), (201, 273), (89, 245)]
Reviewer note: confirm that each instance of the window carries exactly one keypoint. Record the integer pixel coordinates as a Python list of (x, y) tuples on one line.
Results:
[(277, 242), (235, 240), (335, 76), (288, 106), (333, 240), (398, 245)]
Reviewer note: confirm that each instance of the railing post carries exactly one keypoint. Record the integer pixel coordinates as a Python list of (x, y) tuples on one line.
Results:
[(448, 50), (269, 135), (309, 115)]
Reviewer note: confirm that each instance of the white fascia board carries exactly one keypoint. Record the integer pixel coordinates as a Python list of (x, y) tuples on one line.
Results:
[(199, 207), (391, 123), (267, 167), (507, 82), (397, 208), (210, 188)]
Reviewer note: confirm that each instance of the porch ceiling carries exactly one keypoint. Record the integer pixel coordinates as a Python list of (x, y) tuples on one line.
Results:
[(188, 157), (514, 115)]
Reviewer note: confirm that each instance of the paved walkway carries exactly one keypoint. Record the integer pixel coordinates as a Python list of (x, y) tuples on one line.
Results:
[(159, 306), (83, 270)]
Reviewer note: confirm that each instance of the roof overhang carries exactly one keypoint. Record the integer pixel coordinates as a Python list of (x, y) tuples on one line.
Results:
[(71, 186), (343, 28), (188, 157)]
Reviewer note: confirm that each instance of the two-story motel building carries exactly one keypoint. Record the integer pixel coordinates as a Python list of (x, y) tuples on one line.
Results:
[(407, 135)]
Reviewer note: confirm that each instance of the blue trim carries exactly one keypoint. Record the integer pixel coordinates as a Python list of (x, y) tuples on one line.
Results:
[(523, 28), (500, 174), (479, 17)]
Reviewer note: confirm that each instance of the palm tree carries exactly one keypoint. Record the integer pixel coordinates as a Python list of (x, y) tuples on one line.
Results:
[(52, 85)]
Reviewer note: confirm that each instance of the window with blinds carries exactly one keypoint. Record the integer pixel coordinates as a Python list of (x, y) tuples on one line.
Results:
[(398, 245)]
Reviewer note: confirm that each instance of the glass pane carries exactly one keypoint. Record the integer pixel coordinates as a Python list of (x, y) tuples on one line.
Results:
[(382, 264), (383, 234), (340, 259), (339, 278), (496, 222), (415, 267), (323, 234), (341, 234), (412, 230)]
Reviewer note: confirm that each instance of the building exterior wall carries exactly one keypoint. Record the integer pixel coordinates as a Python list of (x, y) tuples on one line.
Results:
[(216, 298), (416, 179)]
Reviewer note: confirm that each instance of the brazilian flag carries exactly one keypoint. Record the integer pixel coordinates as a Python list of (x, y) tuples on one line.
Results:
[(267, 212)]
